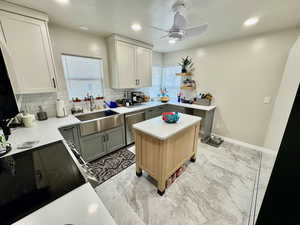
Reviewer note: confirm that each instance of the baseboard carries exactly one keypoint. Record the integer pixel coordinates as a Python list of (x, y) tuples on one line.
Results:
[(255, 147)]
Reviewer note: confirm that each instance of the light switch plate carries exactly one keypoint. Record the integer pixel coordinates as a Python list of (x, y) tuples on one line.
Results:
[(267, 100)]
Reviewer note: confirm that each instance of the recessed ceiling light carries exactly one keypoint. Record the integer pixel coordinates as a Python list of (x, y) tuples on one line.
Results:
[(172, 41), (63, 2), (251, 21), (136, 27), (83, 28)]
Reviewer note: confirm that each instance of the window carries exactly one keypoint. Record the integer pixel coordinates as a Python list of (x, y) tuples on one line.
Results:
[(83, 76), (164, 77), (154, 90), (170, 81)]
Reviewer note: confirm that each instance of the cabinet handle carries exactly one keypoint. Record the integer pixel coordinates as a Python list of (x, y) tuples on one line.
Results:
[(107, 137), (136, 82), (54, 83), (103, 138)]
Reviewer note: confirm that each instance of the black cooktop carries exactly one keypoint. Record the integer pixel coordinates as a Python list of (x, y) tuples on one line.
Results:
[(32, 179)]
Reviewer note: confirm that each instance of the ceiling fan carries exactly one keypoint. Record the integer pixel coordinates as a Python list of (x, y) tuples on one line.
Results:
[(179, 30)]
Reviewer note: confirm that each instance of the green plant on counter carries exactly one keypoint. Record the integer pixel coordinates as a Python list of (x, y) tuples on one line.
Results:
[(186, 65)]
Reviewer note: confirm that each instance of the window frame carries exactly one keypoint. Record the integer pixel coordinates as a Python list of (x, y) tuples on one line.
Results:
[(101, 77)]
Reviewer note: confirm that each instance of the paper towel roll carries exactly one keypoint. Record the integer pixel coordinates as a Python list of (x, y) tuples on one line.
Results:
[(60, 108)]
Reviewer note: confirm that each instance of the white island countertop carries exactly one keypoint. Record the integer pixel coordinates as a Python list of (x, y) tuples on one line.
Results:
[(158, 128)]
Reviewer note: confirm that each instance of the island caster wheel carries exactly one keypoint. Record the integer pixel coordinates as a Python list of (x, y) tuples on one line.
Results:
[(161, 193), (139, 174), (193, 160)]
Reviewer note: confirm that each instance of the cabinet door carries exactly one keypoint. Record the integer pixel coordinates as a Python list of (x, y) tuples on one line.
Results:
[(174, 108), (70, 134), (28, 42), (93, 146), (144, 67), (115, 139), (126, 65), (151, 113)]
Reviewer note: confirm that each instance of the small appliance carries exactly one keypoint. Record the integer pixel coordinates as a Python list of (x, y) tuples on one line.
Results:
[(137, 97)]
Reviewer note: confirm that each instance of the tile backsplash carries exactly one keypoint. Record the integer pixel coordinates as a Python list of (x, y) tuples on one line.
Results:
[(31, 102)]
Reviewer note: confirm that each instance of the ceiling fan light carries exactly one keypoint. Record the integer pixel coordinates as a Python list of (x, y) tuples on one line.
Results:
[(136, 27), (172, 41), (251, 21)]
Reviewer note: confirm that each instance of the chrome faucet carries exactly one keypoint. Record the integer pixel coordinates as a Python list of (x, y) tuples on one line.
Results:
[(92, 103)]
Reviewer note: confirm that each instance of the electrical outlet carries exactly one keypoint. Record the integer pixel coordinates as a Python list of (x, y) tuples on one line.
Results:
[(267, 100)]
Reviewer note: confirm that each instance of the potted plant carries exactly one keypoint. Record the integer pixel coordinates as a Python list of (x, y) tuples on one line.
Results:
[(187, 65)]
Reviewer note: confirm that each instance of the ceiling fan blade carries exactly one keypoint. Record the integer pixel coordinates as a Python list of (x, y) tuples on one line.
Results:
[(194, 31), (160, 29), (179, 21), (165, 36)]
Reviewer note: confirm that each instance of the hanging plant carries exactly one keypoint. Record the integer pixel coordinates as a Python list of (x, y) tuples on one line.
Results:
[(186, 65)]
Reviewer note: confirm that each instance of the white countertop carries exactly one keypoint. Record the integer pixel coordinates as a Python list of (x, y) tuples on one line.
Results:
[(80, 206), (158, 128), (123, 110), (45, 132)]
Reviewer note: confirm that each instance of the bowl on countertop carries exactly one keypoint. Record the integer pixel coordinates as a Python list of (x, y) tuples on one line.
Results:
[(170, 117)]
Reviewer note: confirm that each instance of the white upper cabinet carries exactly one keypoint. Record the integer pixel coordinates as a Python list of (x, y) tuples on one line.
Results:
[(144, 67), (130, 63), (29, 46), (126, 65)]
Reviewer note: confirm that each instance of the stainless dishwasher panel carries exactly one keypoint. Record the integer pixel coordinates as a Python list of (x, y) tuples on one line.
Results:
[(131, 119)]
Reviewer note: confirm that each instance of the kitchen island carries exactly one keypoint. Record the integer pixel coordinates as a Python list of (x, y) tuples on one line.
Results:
[(162, 148)]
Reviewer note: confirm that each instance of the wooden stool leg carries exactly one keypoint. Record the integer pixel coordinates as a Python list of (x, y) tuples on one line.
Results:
[(193, 159), (139, 172), (161, 187)]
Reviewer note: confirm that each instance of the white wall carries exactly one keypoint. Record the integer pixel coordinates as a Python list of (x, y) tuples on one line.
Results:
[(285, 99), (157, 59), (240, 73), (79, 43)]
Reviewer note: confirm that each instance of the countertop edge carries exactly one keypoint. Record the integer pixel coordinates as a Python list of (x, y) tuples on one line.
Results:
[(165, 137)]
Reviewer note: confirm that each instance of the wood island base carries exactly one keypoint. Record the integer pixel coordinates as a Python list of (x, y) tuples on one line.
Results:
[(161, 158)]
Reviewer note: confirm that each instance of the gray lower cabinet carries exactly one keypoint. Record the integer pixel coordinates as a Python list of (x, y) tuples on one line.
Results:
[(158, 110), (152, 112), (93, 146), (175, 108), (70, 134), (96, 145), (115, 139)]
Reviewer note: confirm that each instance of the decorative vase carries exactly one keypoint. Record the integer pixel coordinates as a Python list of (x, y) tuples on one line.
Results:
[(183, 70)]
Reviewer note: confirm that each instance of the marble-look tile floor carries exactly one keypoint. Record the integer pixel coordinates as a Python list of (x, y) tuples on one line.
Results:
[(216, 190), (266, 167)]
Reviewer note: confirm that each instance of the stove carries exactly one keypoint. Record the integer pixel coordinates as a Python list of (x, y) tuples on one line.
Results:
[(34, 178)]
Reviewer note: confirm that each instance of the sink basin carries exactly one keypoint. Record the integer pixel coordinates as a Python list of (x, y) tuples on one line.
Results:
[(99, 121), (96, 115)]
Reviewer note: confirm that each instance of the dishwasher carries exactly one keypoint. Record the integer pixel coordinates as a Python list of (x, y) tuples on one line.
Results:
[(130, 119)]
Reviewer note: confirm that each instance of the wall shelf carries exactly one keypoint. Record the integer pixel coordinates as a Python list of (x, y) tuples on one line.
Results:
[(184, 74), (187, 88)]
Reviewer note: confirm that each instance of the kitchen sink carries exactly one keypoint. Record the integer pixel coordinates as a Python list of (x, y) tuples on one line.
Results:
[(96, 115), (99, 121)]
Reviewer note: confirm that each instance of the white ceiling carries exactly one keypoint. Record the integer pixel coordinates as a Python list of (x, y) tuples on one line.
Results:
[(225, 17)]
